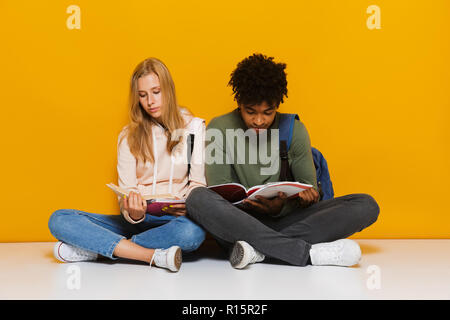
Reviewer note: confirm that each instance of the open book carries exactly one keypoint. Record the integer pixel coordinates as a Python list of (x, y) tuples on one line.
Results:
[(236, 193), (155, 202)]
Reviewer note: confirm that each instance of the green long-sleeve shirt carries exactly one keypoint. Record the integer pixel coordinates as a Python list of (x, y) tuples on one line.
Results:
[(232, 166)]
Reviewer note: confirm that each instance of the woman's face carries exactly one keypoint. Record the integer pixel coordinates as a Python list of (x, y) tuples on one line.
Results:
[(150, 95)]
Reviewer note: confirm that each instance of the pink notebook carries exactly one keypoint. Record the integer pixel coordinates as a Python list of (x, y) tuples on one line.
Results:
[(155, 206)]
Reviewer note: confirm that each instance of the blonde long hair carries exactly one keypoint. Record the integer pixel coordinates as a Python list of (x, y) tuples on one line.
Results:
[(139, 130)]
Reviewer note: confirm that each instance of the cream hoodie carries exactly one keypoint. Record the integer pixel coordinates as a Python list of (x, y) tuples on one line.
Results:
[(168, 174)]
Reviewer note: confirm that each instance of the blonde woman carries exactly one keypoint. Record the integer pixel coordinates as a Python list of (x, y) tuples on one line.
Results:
[(152, 159)]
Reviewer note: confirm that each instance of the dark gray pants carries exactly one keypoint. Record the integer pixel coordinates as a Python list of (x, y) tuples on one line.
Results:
[(287, 238)]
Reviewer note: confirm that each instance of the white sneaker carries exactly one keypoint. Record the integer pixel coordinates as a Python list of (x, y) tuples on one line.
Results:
[(343, 252), (67, 253), (244, 254), (168, 258)]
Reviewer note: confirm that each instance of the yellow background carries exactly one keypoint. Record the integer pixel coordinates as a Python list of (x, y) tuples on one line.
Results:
[(375, 102)]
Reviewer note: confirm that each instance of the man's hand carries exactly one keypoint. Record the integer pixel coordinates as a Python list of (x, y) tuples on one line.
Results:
[(308, 197), (135, 205), (266, 206)]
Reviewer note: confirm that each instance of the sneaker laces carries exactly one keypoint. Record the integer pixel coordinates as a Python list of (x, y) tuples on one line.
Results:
[(256, 256), (158, 258)]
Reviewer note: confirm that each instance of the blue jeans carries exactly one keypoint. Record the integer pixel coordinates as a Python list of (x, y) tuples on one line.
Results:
[(101, 233)]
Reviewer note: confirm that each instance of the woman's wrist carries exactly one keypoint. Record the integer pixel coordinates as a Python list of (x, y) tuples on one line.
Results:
[(137, 218)]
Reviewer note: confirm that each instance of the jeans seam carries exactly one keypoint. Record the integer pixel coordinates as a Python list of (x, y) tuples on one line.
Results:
[(92, 217), (110, 251)]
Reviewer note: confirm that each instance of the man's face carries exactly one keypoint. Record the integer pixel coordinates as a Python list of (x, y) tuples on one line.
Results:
[(258, 117)]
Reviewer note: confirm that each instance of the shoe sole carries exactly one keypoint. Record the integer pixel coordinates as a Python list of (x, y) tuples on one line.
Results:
[(56, 252), (177, 259), (237, 256)]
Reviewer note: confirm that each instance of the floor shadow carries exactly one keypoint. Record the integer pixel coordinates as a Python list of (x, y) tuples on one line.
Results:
[(50, 256), (209, 249), (369, 249)]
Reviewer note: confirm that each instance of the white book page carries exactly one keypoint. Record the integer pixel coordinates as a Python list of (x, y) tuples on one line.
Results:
[(121, 192), (257, 187), (169, 200), (272, 190)]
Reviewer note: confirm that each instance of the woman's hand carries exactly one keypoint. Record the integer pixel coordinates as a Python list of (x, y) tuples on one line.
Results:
[(135, 205), (175, 209), (266, 206), (308, 197)]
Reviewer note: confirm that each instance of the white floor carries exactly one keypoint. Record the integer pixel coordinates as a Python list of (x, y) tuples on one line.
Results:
[(389, 269)]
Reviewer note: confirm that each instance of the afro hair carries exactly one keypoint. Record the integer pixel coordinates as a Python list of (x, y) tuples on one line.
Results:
[(259, 79)]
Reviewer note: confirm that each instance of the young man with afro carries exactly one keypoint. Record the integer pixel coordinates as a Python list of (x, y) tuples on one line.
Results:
[(298, 231)]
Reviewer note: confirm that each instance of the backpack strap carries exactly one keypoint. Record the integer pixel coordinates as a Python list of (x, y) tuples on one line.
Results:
[(286, 126), (190, 147), (193, 127)]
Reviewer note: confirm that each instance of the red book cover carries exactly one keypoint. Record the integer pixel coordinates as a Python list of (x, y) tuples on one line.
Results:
[(155, 207), (232, 192), (235, 192)]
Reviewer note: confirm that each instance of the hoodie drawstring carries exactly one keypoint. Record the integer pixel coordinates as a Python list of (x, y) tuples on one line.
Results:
[(171, 173), (155, 167)]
